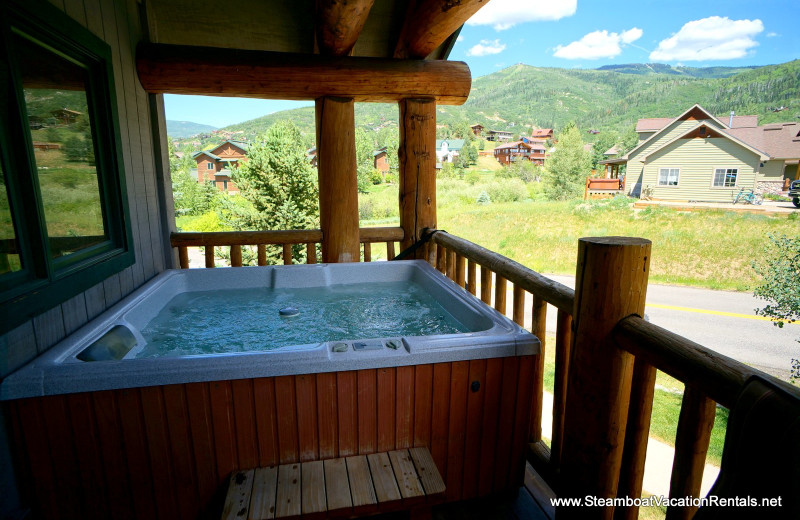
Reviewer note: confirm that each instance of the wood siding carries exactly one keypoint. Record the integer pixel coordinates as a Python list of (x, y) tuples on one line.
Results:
[(166, 452), (697, 159), (117, 23)]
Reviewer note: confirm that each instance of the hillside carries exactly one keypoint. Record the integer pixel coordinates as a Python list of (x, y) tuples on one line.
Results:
[(180, 129), (612, 97)]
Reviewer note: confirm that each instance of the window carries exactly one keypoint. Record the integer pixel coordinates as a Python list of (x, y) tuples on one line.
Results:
[(210, 166), (725, 177), (668, 176), (225, 185), (63, 210)]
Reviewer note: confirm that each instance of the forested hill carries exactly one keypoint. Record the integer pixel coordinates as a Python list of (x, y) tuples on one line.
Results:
[(609, 98)]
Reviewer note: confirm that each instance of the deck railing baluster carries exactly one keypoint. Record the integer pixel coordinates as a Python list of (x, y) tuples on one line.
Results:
[(460, 271), (311, 253), (183, 257), (236, 256), (389, 250), (486, 285), (472, 272), (210, 256), (563, 337), (500, 288), (367, 252), (538, 328)]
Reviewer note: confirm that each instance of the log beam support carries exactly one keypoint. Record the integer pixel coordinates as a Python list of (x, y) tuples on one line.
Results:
[(611, 284), (428, 24), (180, 69), (417, 155), (338, 24), (338, 185)]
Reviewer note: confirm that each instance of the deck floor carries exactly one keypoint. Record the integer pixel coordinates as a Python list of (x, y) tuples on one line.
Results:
[(531, 502)]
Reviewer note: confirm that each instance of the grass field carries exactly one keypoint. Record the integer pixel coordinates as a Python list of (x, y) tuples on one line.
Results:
[(708, 248)]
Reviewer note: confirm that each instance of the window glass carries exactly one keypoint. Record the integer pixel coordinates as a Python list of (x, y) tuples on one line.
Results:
[(725, 177), (63, 146), (668, 176), (10, 259)]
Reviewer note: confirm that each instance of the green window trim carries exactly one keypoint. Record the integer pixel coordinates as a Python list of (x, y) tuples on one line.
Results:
[(53, 269)]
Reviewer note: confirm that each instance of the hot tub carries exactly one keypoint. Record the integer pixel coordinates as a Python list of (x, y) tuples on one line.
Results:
[(100, 429)]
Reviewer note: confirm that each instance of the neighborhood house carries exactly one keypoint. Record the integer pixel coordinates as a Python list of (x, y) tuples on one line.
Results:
[(380, 161), (697, 156), (512, 152), (448, 149), (215, 165)]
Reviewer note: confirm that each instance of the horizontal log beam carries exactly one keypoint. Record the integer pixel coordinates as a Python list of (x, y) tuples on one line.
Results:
[(291, 236), (552, 292), (429, 23), (179, 69), (338, 24)]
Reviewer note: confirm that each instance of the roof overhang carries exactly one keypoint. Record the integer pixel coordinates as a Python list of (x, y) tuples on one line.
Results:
[(762, 156)]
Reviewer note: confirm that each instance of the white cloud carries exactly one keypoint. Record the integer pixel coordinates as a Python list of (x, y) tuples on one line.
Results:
[(772, 34), (486, 47), (504, 14), (598, 44), (712, 38), (459, 39)]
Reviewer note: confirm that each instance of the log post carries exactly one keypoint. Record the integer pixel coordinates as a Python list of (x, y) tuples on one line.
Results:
[(417, 155), (611, 284), (338, 185)]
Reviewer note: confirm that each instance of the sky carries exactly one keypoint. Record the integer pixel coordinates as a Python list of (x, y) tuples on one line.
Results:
[(583, 34)]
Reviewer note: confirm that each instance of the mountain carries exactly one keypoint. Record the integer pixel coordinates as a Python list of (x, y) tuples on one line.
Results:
[(612, 97), (180, 129)]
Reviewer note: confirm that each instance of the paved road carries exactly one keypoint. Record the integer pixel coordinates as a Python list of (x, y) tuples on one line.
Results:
[(720, 320)]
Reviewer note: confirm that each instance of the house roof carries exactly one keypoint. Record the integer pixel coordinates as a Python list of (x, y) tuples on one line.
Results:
[(242, 145), (713, 132), (452, 144), (541, 132), (476, 125), (205, 152), (379, 151), (654, 124), (779, 140), (500, 132), (614, 150), (534, 145)]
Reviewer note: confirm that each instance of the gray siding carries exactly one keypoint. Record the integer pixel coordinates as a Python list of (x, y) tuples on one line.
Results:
[(697, 159), (117, 23)]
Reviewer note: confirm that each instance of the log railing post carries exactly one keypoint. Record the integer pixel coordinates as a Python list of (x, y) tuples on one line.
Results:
[(538, 328), (338, 185), (417, 157), (563, 338), (611, 283)]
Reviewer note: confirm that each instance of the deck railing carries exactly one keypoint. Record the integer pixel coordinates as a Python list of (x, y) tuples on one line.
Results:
[(709, 378), (234, 240)]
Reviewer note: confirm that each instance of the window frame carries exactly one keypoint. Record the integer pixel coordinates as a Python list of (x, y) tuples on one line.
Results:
[(667, 185), (724, 176), (209, 165), (45, 282)]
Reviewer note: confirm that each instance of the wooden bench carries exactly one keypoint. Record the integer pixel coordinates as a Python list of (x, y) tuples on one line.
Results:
[(345, 487)]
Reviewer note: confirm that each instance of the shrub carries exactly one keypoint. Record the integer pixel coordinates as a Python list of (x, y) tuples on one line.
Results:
[(483, 199), (512, 190), (376, 177), (472, 177)]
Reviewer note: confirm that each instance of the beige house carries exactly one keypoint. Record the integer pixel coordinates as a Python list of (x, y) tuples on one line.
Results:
[(699, 157)]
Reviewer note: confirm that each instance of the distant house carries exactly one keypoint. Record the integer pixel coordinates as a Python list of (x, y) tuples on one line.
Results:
[(477, 130), (311, 156), (380, 161), (65, 116), (698, 156), (542, 133), (448, 149), (499, 135), (214, 165), (519, 150), (532, 140)]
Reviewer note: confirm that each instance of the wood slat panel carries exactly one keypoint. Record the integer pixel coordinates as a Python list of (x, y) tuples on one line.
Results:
[(383, 478), (361, 489), (286, 408), (34, 435), (237, 502), (522, 419), (94, 493), (405, 407), (223, 427), (111, 449), (367, 412), (305, 386), (337, 486), (347, 395), (264, 495), (138, 462), (386, 408), (440, 415), (266, 421), (245, 423), (313, 488), (491, 413), (327, 417), (458, 421), (288, 501), (429, 476), (423, 387), (472, 444), (506, 422), (198, 401), (185, 477), (155, 425)]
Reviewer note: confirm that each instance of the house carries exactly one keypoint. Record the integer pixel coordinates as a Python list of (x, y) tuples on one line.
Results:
[(448, 149), (65, 116), (165, 438), (697, 156), (499, 135), (380, 161), (530, 140), (477, 130), (215, 165), (520, 150), (311, 156), (542, 133)]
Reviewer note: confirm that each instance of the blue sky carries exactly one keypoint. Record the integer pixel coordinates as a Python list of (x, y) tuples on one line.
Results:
[(584, 34)]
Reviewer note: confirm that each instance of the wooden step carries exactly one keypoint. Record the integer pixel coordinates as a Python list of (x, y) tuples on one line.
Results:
[(343, 487)]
